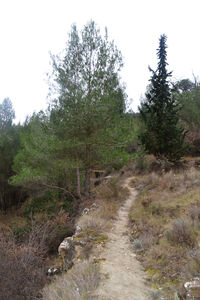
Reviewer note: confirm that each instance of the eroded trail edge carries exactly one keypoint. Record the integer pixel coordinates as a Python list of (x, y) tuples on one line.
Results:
[(124, 278)]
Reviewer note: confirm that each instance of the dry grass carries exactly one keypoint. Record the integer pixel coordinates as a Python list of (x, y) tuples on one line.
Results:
[(165, 221), (110, 195), (93, 231), (181, 233), (96, 224), (78, 284), (93, 222)]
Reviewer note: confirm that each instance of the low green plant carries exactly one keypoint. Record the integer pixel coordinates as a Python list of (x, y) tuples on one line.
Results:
[(38, 204), (48, 202), (176, 297), (20, 231)]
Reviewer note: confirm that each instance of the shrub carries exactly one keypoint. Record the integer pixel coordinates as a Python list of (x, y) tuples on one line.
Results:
[(49, 232), (78, 284), (192, 267), (181, 233), (142, 243), (140, 159), (194, 214), (111, 190), (155, 295), (22, 273)]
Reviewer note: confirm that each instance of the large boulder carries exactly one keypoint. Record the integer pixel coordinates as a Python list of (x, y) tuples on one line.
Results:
[(67, 252)]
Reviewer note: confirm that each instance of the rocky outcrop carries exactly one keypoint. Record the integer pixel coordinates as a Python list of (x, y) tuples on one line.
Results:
[(70, 248)]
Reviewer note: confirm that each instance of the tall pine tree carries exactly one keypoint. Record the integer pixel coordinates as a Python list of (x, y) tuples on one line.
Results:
[(162, 136)]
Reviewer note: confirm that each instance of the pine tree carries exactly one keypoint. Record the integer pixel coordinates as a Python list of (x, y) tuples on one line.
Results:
[(162, 136), (86, 128)]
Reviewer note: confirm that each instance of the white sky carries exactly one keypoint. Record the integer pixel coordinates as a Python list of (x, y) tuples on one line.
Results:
[(29, 29)]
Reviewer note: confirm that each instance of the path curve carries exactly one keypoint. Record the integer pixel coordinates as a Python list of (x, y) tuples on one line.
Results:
[(125, 278)]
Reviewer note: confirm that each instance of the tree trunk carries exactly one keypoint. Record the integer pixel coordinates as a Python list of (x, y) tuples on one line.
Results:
[(78, 182), (87, 183), (87, 172)]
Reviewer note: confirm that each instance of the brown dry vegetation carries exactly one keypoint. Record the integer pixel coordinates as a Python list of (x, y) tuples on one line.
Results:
[(165, 224), (22, 270), (83, 278), (26, 242), (110, 195), (25, 245), (78, 284)]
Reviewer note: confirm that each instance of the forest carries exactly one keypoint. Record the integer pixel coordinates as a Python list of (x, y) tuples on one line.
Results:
[(50, 164)]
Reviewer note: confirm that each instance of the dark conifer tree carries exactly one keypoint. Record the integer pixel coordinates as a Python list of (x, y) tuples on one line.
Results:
[(162, 136)]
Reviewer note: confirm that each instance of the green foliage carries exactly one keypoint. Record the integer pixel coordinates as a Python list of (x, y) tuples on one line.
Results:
[(189, 101), (7, 114), (43, 203), (187, 95), (9, 145), (140, 158), (91, 102), (162, 136), (49, 202), (41, 165), (86, 127)]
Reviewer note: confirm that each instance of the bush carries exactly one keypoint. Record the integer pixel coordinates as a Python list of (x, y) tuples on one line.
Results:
[(49, 202), (142, 243), (50, 232), (22, 273), (140, 160), (181, 233), (192, 267), (194, 213), (77, 284)]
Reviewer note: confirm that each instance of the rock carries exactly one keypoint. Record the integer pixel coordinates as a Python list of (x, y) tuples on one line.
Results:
[(85, 211), (53, 271), (197, 163), (67, 252), (78, 230), (193, 288), (93, 206), (196, 181)]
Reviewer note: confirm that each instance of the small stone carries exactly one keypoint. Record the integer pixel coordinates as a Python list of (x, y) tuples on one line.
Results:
[(85, 211)]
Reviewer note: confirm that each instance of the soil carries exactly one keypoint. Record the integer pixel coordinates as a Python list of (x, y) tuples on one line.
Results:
[(124, 278)]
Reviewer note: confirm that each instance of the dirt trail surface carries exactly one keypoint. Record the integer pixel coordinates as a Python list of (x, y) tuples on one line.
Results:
[(124, 277)]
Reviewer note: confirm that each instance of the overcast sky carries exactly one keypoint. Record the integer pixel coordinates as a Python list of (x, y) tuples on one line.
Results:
[(30, 29)]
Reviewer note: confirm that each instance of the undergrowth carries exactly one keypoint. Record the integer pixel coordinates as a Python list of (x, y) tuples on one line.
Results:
[(78, 284), (165, 225)]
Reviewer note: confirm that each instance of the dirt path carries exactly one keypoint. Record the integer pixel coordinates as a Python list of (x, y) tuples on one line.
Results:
[(125, 279)]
